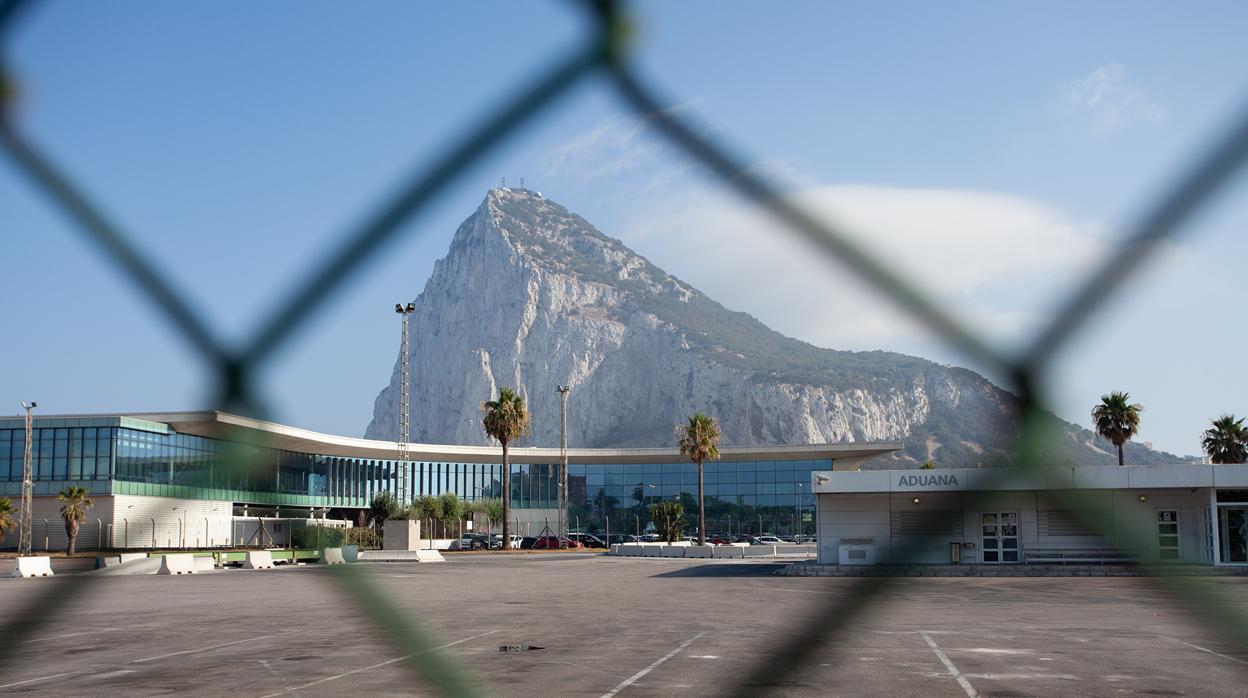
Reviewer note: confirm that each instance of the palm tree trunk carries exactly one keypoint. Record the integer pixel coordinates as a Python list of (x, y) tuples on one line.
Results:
[(701, 510), (1120, 454), (506, 500), (73, 536)]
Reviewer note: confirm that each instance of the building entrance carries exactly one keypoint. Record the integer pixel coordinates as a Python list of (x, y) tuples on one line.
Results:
[(999, 542), (1233, 533)]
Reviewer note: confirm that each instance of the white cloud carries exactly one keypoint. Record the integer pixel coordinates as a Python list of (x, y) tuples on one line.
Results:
[(1108, 96), (995, 259)]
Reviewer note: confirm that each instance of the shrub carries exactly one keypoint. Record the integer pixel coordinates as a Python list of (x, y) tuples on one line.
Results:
[(307, 537)]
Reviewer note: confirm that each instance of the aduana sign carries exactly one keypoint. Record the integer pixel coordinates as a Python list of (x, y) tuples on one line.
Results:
[(927, 481)]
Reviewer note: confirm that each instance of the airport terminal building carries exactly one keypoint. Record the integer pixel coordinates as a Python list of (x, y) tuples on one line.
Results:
[(207, 479)]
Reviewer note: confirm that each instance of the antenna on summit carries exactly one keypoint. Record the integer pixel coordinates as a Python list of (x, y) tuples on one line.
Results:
[(522, 183), (504, 182)]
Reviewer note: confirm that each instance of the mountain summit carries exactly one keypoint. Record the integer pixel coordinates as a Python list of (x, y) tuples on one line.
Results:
[(532, 296)]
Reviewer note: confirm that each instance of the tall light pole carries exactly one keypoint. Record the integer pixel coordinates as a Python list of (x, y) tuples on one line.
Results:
[(404, 312), (797, 531), (563, 454), (25, 531)]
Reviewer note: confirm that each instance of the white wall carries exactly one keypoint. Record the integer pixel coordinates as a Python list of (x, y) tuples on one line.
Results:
[(869, 515)]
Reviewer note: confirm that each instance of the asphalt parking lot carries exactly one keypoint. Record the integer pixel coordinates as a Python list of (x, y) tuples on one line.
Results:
[(615, 626)]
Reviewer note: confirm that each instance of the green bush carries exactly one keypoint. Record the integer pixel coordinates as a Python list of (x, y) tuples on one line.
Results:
[(307, 538), (366, 538)]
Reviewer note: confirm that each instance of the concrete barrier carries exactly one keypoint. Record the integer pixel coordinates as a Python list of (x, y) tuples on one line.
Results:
[(177, 563), (759, 551), (332, 556), (32, 567), (614, 549), (674, 550), (700, 551), (804, 550), (630, 550), (205, 564), (429, 556), (258, 560), (652, 550), (728, 551)]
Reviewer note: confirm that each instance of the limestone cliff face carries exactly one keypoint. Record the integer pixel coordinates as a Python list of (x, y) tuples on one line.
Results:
[(531, 296)]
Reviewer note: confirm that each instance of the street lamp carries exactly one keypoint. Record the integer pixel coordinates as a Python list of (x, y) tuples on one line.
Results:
[(797, 512), (563, 453)]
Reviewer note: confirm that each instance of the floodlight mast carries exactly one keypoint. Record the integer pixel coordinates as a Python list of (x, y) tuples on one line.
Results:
[(563, 453), (25, 533), (404, 456)]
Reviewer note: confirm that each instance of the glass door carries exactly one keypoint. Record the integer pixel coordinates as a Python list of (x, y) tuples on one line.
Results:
[(999, 540), (1168, 534), (1233, 531)]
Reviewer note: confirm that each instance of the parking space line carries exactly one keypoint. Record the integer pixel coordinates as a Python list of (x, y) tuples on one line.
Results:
[(327, 679), (200, 649), (632, 679), (41, 678), (953, 670), (1204, 649), (60, 637)]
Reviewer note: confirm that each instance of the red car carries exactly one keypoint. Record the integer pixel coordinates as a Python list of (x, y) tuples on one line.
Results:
[(553, 543)]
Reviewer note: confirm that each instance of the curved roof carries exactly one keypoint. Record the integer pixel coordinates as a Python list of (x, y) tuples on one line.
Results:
[(222, 425)]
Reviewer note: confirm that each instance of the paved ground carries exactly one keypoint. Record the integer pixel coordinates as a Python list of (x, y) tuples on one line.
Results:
[(630, 626)]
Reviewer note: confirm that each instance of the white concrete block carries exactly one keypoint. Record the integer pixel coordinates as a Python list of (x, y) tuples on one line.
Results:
[(700, 551), (674, 550), (205, 564), (258, 560), (32, 567), (759, 551), (729, 551), (630, 550), (429, 556), (332, 556), (652, 550), (177, 563)]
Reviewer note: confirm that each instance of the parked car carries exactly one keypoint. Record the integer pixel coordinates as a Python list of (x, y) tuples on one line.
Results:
[(621, 538), (588, 540), (526, 543), (649, 538), (554, 542), (766, 540)]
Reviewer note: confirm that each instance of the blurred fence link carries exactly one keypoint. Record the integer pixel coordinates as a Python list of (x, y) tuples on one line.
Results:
[(602, 54)]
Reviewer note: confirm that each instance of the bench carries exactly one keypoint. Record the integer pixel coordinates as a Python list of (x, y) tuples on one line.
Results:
[(1083, 556)]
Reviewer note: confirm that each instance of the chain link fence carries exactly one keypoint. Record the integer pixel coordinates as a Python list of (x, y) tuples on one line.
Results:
[(603, 55)]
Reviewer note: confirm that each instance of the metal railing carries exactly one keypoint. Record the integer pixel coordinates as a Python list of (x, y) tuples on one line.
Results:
[(603, 55)]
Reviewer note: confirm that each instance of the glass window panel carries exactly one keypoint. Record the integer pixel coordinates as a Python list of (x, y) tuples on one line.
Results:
[(1009, 556)]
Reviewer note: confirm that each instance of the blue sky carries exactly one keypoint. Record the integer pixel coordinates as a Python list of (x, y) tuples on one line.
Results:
[(992, 152)]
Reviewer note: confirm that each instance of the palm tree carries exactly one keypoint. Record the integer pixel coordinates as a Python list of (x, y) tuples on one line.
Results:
[(506, 419), (699, 441), (1117, 419), (1226, 441), (6, 517), (74, 512)]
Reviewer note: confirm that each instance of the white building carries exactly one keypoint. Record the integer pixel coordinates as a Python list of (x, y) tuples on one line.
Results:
[(1195, 514)]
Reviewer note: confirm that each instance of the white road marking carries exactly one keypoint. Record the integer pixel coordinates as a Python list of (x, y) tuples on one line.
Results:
[(199, 649), (1022, 677), (990, 650), (114, 674), (704, 656), (41, 678), (58, 637), (633, 679), (1195, 647), (327, 679), (953, 670)]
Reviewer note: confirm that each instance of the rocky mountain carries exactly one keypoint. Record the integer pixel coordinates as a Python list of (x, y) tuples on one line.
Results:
[(532, 296)]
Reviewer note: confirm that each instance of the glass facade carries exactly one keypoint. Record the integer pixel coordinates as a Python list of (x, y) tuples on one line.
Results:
[(129, 456)]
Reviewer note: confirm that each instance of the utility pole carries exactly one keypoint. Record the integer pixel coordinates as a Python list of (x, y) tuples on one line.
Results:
[(404, 312), (563, 452), (25, 532)]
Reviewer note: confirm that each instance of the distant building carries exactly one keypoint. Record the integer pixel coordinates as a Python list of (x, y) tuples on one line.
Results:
[(207, 479)]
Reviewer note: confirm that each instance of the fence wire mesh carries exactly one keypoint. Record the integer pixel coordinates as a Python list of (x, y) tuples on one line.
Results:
[(603, 55)]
